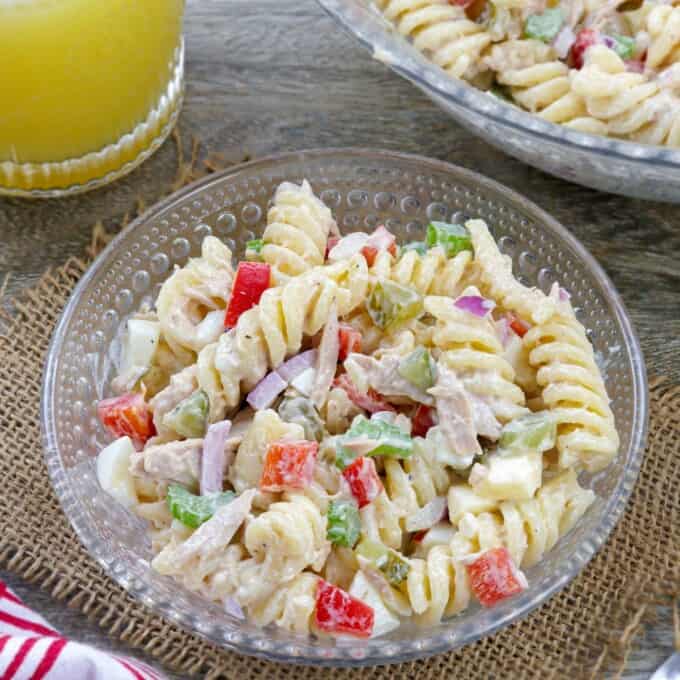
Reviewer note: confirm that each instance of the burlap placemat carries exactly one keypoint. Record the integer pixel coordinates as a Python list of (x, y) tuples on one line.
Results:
[(587, 630)]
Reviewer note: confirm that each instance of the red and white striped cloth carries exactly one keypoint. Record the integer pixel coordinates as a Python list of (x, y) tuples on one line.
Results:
[(30, 649)]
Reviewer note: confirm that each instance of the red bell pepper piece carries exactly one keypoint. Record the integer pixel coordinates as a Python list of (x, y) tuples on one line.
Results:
[(422, 421), (288, 465), (251, 280), (350, 340), (371, 401), (380, 239), (518, 326), (586, 38), (127, 416), (494, 577), (363, 480), (338, 612)]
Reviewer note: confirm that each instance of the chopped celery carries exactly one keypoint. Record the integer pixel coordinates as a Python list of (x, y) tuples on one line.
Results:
[(389, 561), (544, 26), (533, 432), (418, 368), (623, 46), (390, 304), (390, 440), (302, 411), (190, 417), (193, 510), (453, 238), (344, 523), (254, 249), (419, 246)]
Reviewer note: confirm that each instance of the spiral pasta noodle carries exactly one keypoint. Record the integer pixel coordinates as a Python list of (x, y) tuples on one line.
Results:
[(297, 231), (471, 349), (574, 392), (528, 529), (287, 538), (441, 31), (191, 302), (495, 271), (429, 274), (274, 329), (663, 25), (632, 106), (290, 607), (544, 88), (438, 585)]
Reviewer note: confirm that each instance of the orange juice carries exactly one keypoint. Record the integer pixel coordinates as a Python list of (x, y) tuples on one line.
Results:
[(86, 87)]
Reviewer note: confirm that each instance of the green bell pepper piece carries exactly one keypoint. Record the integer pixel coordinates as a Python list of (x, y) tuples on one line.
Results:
[(344, 523), (544, 26), (193, 510), (452, 238)]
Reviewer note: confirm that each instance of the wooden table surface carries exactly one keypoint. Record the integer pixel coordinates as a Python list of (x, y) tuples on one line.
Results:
[(266, 76)]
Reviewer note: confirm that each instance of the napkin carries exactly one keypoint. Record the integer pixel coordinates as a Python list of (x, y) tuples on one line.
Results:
[(31, 649)]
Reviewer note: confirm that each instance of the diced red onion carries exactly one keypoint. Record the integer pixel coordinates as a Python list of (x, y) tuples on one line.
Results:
[(348, 246), (429, 515), (475, 304), (266, 391), (563, 41), (564, 295), (232, 607), (295, 365), (329, 351), (213, 460)]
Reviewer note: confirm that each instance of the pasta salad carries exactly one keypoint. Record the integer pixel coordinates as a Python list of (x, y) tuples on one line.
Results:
[(607, 67), (344, 432)]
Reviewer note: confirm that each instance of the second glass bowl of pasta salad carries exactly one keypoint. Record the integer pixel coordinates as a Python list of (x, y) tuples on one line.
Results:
[(585, 91), (344, 407)]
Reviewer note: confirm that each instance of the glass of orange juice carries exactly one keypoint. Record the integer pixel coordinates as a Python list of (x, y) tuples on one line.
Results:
[(88, 90)]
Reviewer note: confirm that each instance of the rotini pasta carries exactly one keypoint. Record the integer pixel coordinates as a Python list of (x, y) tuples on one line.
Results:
[(420, 464), (429, 274), (574, 392), (534, 55), (297, 230), (530, 528), (631, 105), (471, 349), (287, 538), (290, 607), (496, 275), (191, 302), (438, 585), (442, 31)]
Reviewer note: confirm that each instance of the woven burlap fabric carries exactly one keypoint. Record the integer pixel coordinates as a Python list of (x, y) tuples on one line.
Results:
[(585, 631)]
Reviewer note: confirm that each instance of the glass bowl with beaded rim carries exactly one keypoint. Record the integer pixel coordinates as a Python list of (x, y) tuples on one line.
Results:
[(363, 188), (604, 163)]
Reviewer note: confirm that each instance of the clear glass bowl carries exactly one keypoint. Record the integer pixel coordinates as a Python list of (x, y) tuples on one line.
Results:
[(363, 188), (620, 167)]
